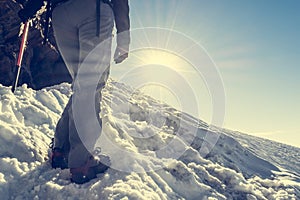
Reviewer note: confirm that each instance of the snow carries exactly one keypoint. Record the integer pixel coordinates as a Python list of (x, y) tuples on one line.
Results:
[(140, 131)]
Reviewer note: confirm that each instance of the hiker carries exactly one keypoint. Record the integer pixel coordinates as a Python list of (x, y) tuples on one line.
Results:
[(79, 26)]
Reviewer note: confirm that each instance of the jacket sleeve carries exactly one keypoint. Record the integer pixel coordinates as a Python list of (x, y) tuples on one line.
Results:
[(121, 13)]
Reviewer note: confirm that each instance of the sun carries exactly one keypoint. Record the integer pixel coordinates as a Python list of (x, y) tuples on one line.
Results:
[(159, 57), (171, 67)]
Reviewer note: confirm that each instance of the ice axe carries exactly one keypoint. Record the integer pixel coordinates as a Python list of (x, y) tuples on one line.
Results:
[(20, 56)]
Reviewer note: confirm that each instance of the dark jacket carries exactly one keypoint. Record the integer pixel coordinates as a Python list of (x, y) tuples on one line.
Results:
[(120, 9)]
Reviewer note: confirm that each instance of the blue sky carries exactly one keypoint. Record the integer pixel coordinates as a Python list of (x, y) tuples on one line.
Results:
[(256, 46)]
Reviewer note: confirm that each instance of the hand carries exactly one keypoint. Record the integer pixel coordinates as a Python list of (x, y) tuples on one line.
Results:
[(23, 15), (30, 9), (121, 53)]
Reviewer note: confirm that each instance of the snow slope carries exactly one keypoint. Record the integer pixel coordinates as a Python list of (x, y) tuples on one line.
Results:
[(238, 167)]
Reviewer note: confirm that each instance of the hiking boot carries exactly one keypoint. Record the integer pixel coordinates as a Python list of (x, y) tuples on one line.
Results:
[(58, 158), (90, 170)]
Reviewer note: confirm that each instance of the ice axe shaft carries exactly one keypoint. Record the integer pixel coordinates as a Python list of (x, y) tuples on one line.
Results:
[(20, 56)]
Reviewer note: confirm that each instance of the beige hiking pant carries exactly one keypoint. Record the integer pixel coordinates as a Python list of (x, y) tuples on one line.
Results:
[(74, 24)]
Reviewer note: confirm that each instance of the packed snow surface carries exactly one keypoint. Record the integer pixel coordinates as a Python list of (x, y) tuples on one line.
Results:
[(238, 167)]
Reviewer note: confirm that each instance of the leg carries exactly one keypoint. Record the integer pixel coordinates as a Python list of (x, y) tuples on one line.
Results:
[(61, 137), (87, 42), (66, 36)]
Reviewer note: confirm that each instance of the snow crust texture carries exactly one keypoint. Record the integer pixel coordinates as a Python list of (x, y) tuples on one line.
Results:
[(238, 167)]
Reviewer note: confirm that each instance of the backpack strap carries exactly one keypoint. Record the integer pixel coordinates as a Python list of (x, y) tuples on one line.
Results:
[(98, 8), (98, 5)]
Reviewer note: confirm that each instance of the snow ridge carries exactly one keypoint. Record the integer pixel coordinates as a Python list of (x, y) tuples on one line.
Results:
[(239, 167)]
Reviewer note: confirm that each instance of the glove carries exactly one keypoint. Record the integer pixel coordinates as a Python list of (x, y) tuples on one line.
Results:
[(121, 53), (23, 15), (30, 9)]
